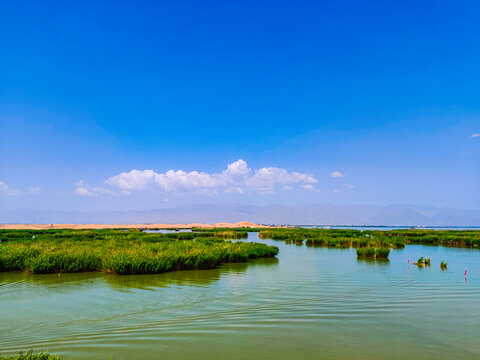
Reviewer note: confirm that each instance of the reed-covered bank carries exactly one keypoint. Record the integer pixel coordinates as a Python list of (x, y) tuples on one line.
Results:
[(345, 238), (30, 356), (122, 252)]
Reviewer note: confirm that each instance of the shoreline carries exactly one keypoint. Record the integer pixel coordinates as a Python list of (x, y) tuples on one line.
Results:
[(241, 224)]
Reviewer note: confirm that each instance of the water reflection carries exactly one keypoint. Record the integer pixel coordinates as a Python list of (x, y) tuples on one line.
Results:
[(120, 282), (374, 263), (176, 278), (199, 278), (167, 231), (48, 279)]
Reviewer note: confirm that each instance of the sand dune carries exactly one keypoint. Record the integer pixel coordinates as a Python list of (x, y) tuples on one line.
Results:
[(242, 224)]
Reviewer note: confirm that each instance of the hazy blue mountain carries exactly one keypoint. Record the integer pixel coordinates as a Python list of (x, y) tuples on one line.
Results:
[(267, 214)]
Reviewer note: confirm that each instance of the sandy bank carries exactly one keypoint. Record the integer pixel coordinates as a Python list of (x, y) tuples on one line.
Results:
[(242, 224)]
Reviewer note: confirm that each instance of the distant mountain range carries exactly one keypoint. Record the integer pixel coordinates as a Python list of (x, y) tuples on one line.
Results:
[(325, 214)]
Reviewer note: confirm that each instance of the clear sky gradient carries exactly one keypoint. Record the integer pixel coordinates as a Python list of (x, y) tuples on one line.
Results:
[(344, 102)]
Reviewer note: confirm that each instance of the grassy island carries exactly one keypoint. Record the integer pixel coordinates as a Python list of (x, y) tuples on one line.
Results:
[(373, 253), (345, 238), (122, 251)]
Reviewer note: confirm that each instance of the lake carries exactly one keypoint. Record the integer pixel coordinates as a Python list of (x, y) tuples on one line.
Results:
[(308, 303)]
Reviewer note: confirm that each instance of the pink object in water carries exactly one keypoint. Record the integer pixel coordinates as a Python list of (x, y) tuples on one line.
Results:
[(465, 272), (408, 261)]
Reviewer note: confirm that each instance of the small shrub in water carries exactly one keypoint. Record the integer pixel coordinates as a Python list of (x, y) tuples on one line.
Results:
[(420, 262), (372, 253), (443, 265), (366, 253), (382, 253)]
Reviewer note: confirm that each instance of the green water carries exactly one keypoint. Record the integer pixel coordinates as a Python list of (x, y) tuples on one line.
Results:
[(310, 303)]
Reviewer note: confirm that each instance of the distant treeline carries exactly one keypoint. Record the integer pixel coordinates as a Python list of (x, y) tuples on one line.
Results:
[(123, 251)]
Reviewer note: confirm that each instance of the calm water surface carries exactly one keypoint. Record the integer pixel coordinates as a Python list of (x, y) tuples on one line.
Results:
[(310, 303)]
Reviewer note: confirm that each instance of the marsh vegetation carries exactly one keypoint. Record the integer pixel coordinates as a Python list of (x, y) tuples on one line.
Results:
[(122, 252), (345, 238), (132, 251), (30, 356), (422, 262), (373, 253)]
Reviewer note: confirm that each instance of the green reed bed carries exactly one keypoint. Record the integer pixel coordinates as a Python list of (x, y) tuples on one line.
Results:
[(30, 356), (120, 252), (330, 238), (454, 238), (382, 253), (366, 253), (345, 238), (228, 234), (373, 253)]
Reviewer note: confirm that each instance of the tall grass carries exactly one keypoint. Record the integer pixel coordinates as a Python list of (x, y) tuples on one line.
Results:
[(372, 253), (344, 238), (366, 253), (30, 356), (239, 233), (422, 262), (382, 253), (121, 252)]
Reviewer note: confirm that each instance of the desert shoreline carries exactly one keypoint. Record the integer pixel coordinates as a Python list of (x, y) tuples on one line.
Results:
[(241, 224)]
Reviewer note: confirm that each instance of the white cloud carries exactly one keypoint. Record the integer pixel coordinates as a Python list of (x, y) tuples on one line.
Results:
[(475, 135), (6, 190), (310, 187), (336, 174), (85, 190), (34, 190), (287, 188), (237, 190), (82, 190), (236, 178), (349, 186)]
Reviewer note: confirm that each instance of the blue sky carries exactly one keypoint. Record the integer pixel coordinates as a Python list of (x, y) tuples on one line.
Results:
[(384, 93)]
